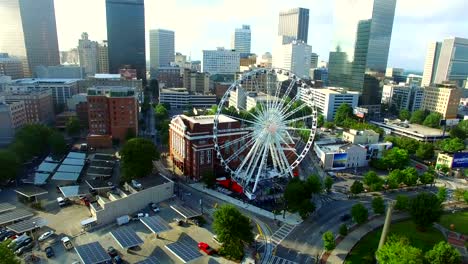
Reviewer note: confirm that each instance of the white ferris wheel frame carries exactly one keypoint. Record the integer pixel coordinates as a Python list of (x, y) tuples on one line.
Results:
[(279, 160)]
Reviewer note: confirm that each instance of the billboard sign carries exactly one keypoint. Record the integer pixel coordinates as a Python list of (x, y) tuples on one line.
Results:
[(460, 160), (339, 161)]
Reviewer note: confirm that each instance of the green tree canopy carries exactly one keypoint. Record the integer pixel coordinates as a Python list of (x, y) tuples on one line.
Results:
[(297, 196), (9, 164), (397, 250), (418, 116), (328, 183), (342, 113), (378, 205), (320, 120), (233, 229), (137, 158), (410, 176), (357, 187), (425, 209), (209, 178), (452, 145), (442, 194), (459, 193), (343, 230), (73, 126), (7, 255), (427, 178), (373, 181), (425, 151), (161, 112), (58, 146), (314, 184), (402, 202), (328, 240), (35, 138), (405, 114), (457, 132), (443, 253), (329, 125), (213, 110), (130, 134), (359, 213), (432, 120), (396, 158)]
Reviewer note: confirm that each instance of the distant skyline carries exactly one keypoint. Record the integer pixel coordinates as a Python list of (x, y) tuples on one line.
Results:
[(207, 24)]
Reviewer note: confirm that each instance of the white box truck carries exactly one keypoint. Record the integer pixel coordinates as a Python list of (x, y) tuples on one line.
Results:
[(123, 220)]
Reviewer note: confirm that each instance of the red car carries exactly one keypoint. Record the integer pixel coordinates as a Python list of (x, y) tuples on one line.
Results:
[(206, 248)]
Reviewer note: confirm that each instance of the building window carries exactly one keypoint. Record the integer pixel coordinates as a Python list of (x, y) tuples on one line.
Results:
[(202, 157), (208, 156)]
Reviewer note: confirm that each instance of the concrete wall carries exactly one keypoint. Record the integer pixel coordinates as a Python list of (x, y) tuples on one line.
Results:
[(133, 202)]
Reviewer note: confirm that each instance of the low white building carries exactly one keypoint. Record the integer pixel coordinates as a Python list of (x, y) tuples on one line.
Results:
[(179, 98), (340, 155), (361, 136), (328, 100)]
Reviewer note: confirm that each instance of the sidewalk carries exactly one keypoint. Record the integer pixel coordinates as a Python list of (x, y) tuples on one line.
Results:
[(338, 255), (292, 219)]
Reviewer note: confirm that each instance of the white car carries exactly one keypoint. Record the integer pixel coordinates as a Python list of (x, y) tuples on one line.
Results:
[(45, 235), (136, 184)]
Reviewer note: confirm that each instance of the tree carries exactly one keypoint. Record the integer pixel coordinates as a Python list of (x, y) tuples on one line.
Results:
[(465, 196), (73, 126), (452, 145), (359, 213), (342, 113), (328, 183), (296, 195), (373, 181), (378, 205), (320, 120), (457, 132), (137, 158), (35, 139), (58, 146), (433, 120), (458, 194), (9, 164), (343, 230), (425, 151), (329, 125), (213, 110), (396, 158), (7, 255), (233, 229), (405, 114), (314, 184), (427, 178), (398, 250), (161, 112), (209, 178), (418, 116), (425, 209), (395, 178), (443, 253), (328, 241), (410, 176), (402, 202), (357, 187), (442, 194)]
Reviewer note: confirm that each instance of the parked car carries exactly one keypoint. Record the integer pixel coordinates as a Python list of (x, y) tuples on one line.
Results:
[(63, 201), (23, 249), (141, 215), (117, 260), (206, 248), (20, 244), (136, 184), (6, 235), (45, 235), (112, 252), (49, 252), (154, 207)]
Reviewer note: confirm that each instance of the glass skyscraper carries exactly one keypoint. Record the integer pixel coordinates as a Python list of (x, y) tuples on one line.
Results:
[(363, 29), (29, 32), (126, 35), (294, 23)]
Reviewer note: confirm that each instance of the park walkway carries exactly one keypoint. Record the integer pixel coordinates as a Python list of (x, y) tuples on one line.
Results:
[(338, 255)]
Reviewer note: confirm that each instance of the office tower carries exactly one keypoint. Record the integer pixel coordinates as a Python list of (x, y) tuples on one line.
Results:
[(361, 43), (453, 62), (293, 56), (221, 61), (29, 32), (430, 64), (196, 82), (12, 67), (88, 52), (38, 104), (162, 51), (241, 40), (395, 74), (294, 23), (403, 96), (265, 60), (103, 57), (60, 72), (313, 60), (443, 99), (327, 101), (70, 57), (126, 35)]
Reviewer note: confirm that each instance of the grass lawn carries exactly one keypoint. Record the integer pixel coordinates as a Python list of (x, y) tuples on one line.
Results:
[(364, 251), (459, 219)]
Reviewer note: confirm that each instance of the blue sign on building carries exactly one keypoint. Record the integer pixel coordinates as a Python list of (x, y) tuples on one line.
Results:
[(460, 160)]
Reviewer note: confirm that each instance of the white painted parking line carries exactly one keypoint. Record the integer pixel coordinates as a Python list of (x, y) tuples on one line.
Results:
[(278, 260)]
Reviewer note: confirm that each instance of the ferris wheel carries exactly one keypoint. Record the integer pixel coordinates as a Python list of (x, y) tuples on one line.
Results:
[(277, 122)]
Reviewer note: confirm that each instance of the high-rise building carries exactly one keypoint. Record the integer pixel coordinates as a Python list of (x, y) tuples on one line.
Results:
[(294, 23), (60, 72), (403, 96), (361, 43), (29, 32), (162, 50), (12, 117), (196, 82), (241, 40), (103, 57), (313, 60), (70, 57), (329, 100), (443, 99), (431, 62), (293, 56), (126, 35), (88, 52), (12, 67), (221, 61), (453, 62), (168, 76)]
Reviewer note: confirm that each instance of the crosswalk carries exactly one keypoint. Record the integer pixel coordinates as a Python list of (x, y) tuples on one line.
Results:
[(278, 260), (281, 234)]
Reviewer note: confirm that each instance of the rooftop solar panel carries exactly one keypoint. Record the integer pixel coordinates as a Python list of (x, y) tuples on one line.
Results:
[(184, 249), (70, 168), (185, 212), (150, 260), (15, 215), (103, 157), (92, 253), (28, 225), (126, 237), (47, 167), (76, 155), (73, 190), (76, 162), (65, 176), (155, 224), (30, 191), (6, 207)]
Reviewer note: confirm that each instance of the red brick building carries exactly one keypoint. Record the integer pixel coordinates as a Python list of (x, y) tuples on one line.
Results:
[(191, 145), (112, 111)]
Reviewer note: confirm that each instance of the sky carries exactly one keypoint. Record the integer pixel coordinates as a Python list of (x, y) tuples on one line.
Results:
[(207, 24)]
